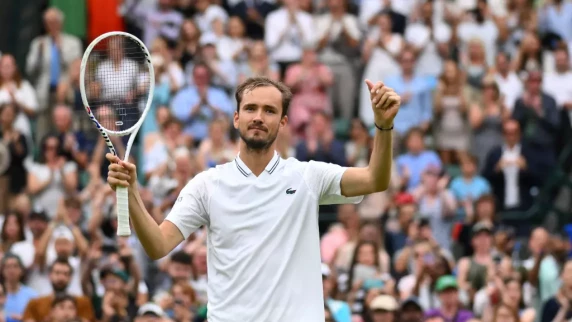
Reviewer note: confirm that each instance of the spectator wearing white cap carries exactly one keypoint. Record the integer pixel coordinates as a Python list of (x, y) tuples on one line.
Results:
[(383, 308), (340, 310), (150, 312)]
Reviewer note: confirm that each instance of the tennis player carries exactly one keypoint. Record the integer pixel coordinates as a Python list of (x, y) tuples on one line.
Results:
[(261, 211)]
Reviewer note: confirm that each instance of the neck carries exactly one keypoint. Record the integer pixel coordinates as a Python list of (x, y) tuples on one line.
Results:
[(256, 160), (511, 145), (407, 75), (336, 12), (467, 176), (448, 310), (481, 253), (12, 287), (503, 73)]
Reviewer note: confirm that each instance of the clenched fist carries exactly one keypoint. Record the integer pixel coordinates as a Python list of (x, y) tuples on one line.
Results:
[(385, 103)]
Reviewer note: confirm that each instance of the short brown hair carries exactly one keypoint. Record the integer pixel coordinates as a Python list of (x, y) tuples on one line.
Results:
[(256, 82)]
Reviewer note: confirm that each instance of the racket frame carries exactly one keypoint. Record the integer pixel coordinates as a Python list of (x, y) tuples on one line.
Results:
[(123, 228)]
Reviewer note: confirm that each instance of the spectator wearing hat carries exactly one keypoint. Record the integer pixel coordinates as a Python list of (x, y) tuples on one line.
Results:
[(150, 312), (410, 310), (60, 274), (397, 237), (483, 209), (450, 309), (340, 310), (383, 308)]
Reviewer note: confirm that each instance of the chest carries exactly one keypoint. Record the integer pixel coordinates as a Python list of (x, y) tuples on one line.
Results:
[(248, 209)]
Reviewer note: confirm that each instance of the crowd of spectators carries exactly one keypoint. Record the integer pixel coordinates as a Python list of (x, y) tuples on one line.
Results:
[(486, 116)]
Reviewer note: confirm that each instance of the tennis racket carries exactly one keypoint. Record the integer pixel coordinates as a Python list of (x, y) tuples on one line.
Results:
[(116, 84)]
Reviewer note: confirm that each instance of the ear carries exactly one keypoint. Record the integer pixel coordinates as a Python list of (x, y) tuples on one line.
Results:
[(283, 121), (235, 120)]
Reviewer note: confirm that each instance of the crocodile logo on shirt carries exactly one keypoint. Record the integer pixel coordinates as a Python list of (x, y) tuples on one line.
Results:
[(289, 191)]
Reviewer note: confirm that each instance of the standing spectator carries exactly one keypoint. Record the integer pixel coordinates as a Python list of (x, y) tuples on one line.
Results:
[(320, 143), (162, 21), (480, 26), (310, 82), (430, 39), (12, 274), (559, 84), (380, 52), (15, 149), (223, 72), (17, 91), (207, 12), (200, 103), (52, 177), (258, 63), (416, 97), (234, 46), (450, 108), (338, 37), (529, 56), (486, 119), (412, 164), (556, 18), (14, 240), (47, 64), (508, 82), (469, 186), (74, 145), (253, 14), (383, 308), (64, 308), (287, 31), (60, 274), (188, 42), (558, 308)]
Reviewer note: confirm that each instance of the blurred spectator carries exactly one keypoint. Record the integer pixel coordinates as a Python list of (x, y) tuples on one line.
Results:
[(63, 309), (18, 92), (258, 64), (207, 12), (556, 18), (380, 52), (509, 84), (469, 186), (486, 118), (557, 308), (450, 108), (413, 164), (12, 274), (559, 84), (14, 239), (310, 82), (14, 149), (287, 31), (60, 274), (223, 72), (410, 310), (74, 145), (383, 308), (320, 143), (339, 310), (48, 61), (162, 21), (338, 36), (510, 169), (450, 308), (206, 103)]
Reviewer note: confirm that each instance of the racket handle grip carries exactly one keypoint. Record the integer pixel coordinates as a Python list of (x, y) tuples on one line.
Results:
[(123, 228)]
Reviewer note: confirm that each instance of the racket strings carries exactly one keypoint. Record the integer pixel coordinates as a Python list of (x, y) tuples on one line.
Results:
[(117, 82)]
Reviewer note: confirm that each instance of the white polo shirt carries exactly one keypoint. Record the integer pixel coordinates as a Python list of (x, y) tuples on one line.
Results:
[(263, 240)]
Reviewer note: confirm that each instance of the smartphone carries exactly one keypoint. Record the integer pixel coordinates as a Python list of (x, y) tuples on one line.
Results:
[(363, 272)]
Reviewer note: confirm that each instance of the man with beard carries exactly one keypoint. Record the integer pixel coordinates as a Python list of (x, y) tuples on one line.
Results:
[(261, 211), (60, 273)]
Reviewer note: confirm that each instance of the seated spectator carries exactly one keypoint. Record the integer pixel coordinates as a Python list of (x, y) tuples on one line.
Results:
[(217, 148), (469, 186), (383, 308), (258, 64), (17, 293), (410, 310), (557, 308), (450, 308), (412, 164), (483, 210), (74, 145), (320, 143), (224, 73), (207, 12), (150, 312), (60, 274), (14, 239), (339, 310), (397, 234), (63, 309)]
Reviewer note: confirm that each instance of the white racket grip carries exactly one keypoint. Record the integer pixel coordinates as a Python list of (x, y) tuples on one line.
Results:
[(123, 228)]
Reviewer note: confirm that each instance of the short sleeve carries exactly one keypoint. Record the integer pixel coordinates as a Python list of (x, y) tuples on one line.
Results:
[(189, 212), (324, 180), (70, 167)]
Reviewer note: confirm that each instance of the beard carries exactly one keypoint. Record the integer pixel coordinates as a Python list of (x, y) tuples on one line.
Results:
[(258, 144), (59, 288)]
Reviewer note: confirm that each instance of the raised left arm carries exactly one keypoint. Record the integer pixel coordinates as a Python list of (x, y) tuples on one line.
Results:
[(376, 176)]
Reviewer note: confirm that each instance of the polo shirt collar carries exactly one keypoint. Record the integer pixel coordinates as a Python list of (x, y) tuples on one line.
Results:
[(244, 170)]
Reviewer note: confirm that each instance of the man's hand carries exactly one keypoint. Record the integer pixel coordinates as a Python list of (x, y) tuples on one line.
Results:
[(385, 103), (121, 173)]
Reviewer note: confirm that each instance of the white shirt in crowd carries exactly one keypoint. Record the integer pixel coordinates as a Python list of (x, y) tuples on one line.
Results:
[(419, 35), (205, 20), (263, 242), (326, 25), (25, 94), (510, 87), (559, 86), (487, 32), (162, 23), (116, 83), (369, 8), (511, 192), (288, 48)]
